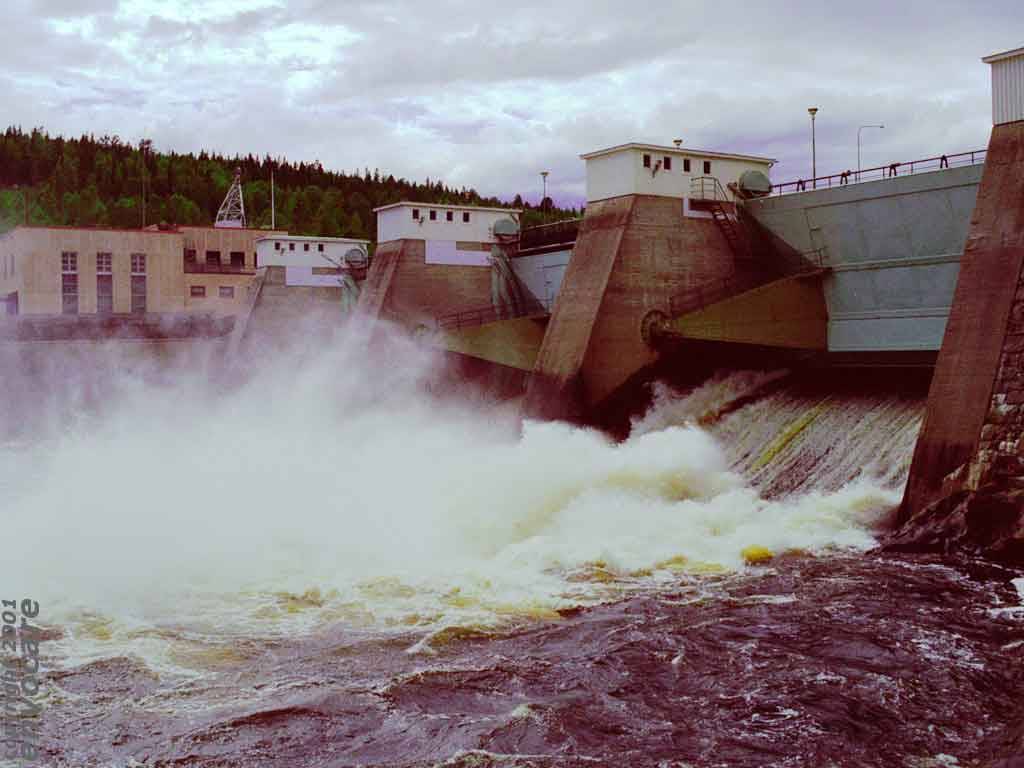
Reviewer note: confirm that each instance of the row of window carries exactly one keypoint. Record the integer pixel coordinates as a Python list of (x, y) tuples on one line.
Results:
[(305, 246), (448, 215), (666, 164), (213, 258), (104, 263), (199, 291), (104, 293)]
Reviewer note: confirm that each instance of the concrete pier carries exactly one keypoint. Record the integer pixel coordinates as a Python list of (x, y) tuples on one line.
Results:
[(974, 422)]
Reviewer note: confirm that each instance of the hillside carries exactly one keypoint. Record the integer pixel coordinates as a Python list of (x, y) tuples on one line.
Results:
[(102, 182)]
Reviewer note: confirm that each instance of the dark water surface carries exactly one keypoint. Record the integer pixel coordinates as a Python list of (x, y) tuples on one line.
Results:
[(860, 660)]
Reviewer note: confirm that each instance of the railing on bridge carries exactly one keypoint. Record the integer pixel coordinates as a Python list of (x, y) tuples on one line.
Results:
[(556, 233), (892, 170), (483, 315), (714, 291)]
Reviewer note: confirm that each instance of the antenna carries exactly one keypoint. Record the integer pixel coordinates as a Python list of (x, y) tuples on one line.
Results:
[(232, 211)]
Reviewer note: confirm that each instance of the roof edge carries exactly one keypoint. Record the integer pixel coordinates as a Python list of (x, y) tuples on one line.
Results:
[(992, 59), (683, 150)]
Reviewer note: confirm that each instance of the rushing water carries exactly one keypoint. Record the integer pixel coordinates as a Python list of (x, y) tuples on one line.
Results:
[(316, 562)]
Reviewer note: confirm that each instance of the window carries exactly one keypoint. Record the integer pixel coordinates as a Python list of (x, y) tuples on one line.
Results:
[(450, 215), (667, 164), (433, 215), (104, 284), (237, 258), (465, 217), (277, 246), (647, 161), (213, 258), (320, 247), (305, 246), (291, 246), (686, 165), (707, 167), (225, 291), (416, 214), (138, 263), (197, 291), (190, 256), (103, 264), (69, 282)]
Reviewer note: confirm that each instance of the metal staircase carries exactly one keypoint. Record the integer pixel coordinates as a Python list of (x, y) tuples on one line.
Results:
[(709, 194)]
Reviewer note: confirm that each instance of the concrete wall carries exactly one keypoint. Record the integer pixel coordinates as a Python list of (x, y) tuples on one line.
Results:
[(397, 223), (403, 286), (633, 254), (976, 400), (542, 274), (894, 247), (304, 252), (38, 267)]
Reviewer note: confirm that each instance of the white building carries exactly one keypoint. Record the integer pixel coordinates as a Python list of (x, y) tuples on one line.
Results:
[(459, 235), (311, 261), (1007, 86), (649, 169)]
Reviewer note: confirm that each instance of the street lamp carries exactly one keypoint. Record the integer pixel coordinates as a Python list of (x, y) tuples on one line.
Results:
[(812, 111), (544, 176), (858, 145)]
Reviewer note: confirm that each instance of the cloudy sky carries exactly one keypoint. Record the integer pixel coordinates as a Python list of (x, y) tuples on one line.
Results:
[(486, 94)]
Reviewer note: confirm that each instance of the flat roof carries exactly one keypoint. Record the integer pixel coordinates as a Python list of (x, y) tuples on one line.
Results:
[(676, 151), (312, 239), (1004, 55), (442, 206), (122, 230)]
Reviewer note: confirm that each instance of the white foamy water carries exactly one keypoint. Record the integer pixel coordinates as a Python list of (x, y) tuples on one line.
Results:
[(332, 488)]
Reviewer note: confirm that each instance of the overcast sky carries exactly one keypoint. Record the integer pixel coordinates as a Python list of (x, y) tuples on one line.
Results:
[(487, 95)]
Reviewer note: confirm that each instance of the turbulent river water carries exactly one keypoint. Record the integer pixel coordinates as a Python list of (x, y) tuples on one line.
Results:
[(317, 562)]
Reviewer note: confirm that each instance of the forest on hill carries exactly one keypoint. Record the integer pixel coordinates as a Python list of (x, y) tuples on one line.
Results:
[(103, 181)]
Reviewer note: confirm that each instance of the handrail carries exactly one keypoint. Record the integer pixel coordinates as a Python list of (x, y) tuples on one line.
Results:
[(470, 317), (699, 189), (892, 170)]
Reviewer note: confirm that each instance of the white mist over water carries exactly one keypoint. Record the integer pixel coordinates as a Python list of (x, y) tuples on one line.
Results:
[(332, 487)]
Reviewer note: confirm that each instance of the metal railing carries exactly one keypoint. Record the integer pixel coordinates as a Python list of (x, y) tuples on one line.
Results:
[(707, 188), (556, 233), (713, 291), (890, 171), (471, 317)]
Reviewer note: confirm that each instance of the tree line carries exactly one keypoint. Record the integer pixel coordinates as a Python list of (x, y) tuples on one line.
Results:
[(105, 181)]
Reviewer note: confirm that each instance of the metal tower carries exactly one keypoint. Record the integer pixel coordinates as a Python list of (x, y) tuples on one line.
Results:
[(232, 210)]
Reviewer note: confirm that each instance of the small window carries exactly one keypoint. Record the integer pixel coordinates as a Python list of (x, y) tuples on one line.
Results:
[(277, 246), (465, 217), (103, 264), (433, 215), (69, 262), (238, 258), (320, 247), (416, 214), (450, 215), (225, 291), (647, 161), (291, 246), (213, 258), (707, 167), (667, 164), (197, 291), (138, 263), (190, 255), (686, 165), (305, 246)]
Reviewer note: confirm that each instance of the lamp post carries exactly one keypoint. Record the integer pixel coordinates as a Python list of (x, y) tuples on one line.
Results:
[(858, 145), (544, 176), (812, 111)]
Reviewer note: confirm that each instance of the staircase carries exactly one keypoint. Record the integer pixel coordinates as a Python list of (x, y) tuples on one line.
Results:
[(707, 192)]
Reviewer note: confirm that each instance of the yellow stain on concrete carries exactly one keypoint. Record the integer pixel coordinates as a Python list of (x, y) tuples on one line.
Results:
[(513, 343), (787, 435), (754, 555), (787, 313)]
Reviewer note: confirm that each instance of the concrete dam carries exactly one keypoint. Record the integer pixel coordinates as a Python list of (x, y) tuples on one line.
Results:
[(913, 265)]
